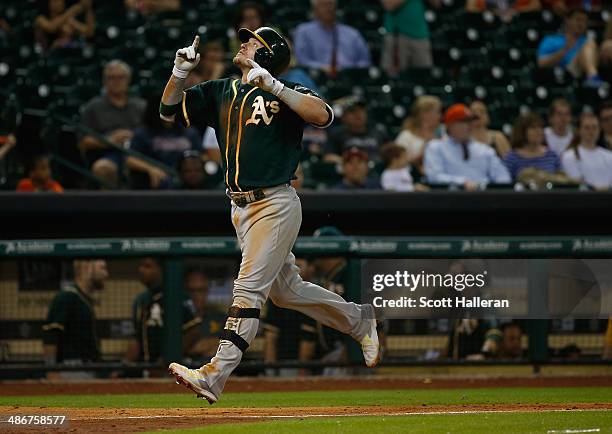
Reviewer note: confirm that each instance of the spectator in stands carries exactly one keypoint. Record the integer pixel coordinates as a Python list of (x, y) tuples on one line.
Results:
[(420, 127), (57, 26), (39, 177), (506, 10), (328, 45), (354, 131), (147, 7), (572, 50), (586, 162), (250, 15), (481, 132), (559, 133), (114, 115), (460, 160), (605, 54), (296, 73), (510, 347), (605, 119), (148, 316), (162, 141), (528, 149), (406, 42), (191, 172), (397, 176), (213, 319), (355, 171), (69, 333), (211, 66)]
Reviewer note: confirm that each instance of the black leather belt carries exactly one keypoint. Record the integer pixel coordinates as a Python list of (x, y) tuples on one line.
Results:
[(242, 198)]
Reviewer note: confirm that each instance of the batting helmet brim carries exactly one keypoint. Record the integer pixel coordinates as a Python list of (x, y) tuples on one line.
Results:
[(245, 34)]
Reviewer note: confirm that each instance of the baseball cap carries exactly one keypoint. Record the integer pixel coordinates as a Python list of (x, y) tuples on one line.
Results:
[(327, 231), (457, 113), (354, 152)]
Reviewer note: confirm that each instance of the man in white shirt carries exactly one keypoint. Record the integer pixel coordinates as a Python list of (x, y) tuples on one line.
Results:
[(460, 160), (559, 133)]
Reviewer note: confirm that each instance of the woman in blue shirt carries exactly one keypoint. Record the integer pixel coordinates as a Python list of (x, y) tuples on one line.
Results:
[(528, 148)]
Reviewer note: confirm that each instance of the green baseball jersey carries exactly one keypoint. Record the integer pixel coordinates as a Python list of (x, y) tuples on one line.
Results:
[(71, 326), (148, 317), (259, 136)]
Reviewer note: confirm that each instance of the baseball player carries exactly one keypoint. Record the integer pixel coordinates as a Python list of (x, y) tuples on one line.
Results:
[(259, 121)]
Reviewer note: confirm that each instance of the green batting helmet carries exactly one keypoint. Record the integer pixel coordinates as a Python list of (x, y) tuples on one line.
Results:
[(275, 53)]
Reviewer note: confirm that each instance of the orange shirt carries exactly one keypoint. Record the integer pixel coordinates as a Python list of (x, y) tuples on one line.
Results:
[(26, 185)]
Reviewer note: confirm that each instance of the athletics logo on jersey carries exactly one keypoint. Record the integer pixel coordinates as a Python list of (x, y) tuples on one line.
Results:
[(259, 108)]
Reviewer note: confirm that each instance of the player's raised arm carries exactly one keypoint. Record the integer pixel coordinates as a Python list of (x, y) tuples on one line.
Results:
[(186, 59)]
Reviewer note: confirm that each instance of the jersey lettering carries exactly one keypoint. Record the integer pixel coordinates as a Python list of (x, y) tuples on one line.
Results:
[(259, 108)]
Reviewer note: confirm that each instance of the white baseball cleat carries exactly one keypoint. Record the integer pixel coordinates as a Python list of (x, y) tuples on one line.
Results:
[(370, 346), (192, 379)]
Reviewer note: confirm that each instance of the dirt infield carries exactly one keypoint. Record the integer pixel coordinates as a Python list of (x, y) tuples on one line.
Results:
[(102, 420), (24, 388)]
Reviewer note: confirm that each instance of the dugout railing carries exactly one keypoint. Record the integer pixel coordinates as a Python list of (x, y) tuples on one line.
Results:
[(405, 348)]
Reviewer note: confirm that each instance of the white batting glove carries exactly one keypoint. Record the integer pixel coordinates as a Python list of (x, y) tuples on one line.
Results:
[(186, 59), (262, 78)]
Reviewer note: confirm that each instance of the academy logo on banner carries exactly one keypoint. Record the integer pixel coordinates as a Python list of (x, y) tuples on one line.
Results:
[(591, 245), (28, 247), (373, 246), (488, 246), (145, 245)]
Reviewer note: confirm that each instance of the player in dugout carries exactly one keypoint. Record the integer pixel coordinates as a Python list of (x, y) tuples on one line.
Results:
[(69, 334)]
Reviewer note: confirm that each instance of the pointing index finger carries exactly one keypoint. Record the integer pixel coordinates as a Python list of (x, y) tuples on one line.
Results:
[(253, 63), (196, 42)]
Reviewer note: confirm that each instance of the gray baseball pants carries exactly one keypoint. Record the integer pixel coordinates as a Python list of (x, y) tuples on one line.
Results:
[(267, 230)]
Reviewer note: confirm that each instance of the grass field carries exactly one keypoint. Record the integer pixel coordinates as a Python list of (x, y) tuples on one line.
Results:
[(453, 423), (391, 398), (493, 410)]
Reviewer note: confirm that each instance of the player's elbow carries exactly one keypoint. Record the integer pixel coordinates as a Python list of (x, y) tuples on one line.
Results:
[(321, 117)]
